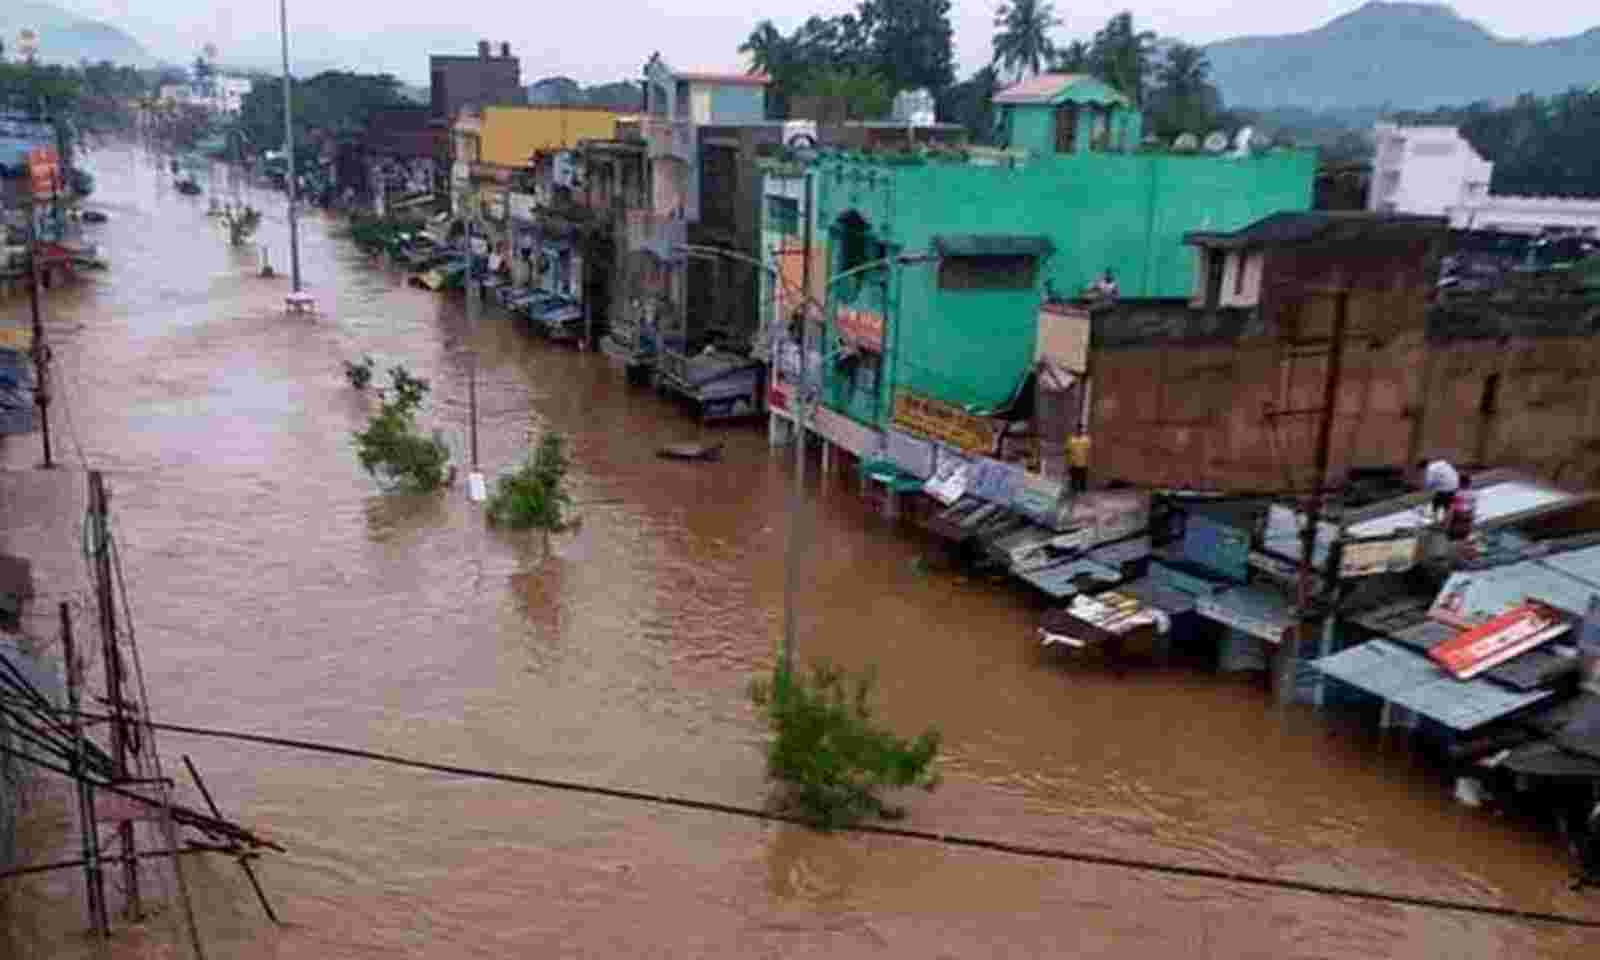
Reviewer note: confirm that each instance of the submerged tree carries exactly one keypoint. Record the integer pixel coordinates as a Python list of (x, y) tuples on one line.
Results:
[(241, 223), (535, 497), (392, 449), (831, 756)]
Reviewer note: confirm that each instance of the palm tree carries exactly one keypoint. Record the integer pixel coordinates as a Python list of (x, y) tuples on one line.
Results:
[(1022, 41), (1121, 56), (773, 54), (1184, 99), (1075, 57), (767, 49)]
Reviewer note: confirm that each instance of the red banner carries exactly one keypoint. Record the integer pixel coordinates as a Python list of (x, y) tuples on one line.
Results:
[(44, 170), (864, 328), (1471, 652)]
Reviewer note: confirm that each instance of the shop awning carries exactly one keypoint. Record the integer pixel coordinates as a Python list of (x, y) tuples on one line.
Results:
[(1410, 680), (1168, 600), (1060, 581), (1261, 612)]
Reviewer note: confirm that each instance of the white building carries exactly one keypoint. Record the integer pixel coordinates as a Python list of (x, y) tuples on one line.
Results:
[(1434, 171), (1425, 170)]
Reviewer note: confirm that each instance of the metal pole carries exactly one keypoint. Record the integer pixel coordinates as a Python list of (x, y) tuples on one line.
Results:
[(120, 745), (288, 141), (94, 883), (1301, 636), (791, 580), (472, 330), (40, 351)]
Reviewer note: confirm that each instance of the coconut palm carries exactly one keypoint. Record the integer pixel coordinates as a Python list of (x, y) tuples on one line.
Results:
[(1073, 58), (1121, 55), (1022, 41)]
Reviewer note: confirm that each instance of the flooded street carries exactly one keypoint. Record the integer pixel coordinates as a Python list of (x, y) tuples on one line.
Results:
[(274, 590)]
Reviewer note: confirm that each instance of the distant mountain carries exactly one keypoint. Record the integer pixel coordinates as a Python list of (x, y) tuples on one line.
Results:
[(1410, 55), (65, 37), (566, 91)]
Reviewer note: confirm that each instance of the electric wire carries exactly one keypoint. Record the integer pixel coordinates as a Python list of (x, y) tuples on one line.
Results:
[(958, 840)]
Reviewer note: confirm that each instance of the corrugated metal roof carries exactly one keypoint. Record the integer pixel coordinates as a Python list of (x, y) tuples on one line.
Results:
[(1410, 680), (1265, 608), (1047, 88), (1292, 227), (1059, 581)]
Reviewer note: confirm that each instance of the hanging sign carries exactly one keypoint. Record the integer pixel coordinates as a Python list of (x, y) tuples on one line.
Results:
[(1471, 652), (944, 422), (43, 170)]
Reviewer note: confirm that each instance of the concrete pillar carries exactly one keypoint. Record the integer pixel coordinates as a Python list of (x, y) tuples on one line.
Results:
[(780, 430)]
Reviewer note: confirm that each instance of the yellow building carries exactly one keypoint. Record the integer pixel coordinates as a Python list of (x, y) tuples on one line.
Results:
[(510, 135)]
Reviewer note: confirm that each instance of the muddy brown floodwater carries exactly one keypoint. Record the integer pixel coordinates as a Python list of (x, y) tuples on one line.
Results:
[(275, 590)]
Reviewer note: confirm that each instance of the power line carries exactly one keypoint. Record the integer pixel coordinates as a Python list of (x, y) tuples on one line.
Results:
[(1034, 851)]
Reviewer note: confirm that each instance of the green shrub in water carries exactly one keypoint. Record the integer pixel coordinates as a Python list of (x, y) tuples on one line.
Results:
[(392, 449), (831, 757), (534, 497)]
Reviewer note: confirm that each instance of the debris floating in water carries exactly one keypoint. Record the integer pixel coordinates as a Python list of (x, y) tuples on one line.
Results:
[(691, 451)]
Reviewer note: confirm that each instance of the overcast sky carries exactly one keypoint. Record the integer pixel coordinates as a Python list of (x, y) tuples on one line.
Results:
[(604, 40)]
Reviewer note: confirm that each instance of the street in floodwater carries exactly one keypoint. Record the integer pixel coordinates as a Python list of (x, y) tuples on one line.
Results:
[(275, 590)]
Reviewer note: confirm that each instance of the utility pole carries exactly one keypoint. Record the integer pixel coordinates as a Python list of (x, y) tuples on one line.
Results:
[(39, 352), (94, 882), (288, 141), (476, 489), (1300, 637), (121, 744)]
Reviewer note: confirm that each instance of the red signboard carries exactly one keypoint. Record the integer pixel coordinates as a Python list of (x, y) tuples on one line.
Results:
[(1471, 652), (864, 328), (43, 170)]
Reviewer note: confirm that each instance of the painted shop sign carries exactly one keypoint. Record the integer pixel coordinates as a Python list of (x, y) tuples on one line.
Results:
[(1471, 652), (1365, 558), (944, 422), (864, 328)]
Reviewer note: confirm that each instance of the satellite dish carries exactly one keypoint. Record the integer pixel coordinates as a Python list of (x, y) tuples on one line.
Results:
[(1242, 141), (1216, 142), (1186, 143)]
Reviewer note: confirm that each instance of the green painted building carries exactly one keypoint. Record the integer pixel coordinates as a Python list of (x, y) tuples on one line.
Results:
[(1074, 193)]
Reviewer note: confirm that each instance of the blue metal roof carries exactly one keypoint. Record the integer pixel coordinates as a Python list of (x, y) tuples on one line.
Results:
[(1400, 676)]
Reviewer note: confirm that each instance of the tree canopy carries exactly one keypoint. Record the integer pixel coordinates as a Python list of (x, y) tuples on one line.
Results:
[(905, 44), (1022, 41), (334, 103), (1540, 146)]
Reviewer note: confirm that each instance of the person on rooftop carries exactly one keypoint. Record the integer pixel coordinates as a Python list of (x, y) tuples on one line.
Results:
[(1440, 479)]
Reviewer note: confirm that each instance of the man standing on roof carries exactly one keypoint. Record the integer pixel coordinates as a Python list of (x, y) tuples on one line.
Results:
[(1440, 479)]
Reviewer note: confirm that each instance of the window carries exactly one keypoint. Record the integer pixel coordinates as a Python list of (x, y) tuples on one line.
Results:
[(1011, 272), (783, 215)]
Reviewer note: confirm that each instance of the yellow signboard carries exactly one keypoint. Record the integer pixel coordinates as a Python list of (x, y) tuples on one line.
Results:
[(16, 338), (944, 422)]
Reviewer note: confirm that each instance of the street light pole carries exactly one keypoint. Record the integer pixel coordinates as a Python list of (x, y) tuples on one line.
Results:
[(803, 406), (288, 149), (477, 490)]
